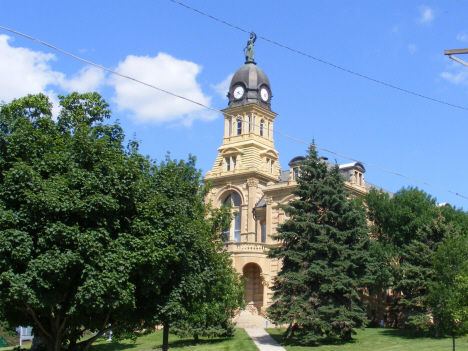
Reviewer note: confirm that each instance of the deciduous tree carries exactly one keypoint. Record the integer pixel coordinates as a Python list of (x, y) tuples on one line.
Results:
[(93, 235)]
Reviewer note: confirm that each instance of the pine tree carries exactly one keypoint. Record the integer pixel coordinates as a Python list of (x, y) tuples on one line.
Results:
[(324, 253)]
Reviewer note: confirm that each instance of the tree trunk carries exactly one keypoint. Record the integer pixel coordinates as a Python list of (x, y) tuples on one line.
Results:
[(195, 337), (165, 346)]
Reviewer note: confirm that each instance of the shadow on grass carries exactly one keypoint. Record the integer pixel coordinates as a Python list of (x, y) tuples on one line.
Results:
[(173, 344), (408, 334), (283, 341)]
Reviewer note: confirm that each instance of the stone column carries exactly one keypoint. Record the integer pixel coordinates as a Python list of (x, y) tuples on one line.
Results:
[(226, 127), (281, 217), (269, 203), (244, 234), (252, 184), (266, 289)]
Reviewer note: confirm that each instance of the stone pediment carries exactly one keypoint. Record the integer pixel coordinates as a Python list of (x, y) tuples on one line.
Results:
[(231, 151), (272, 153)]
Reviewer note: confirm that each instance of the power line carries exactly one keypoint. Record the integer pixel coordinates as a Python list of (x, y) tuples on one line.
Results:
[(232, 116), (323, 61)]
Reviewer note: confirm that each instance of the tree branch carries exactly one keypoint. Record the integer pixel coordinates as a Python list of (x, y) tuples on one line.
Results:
[(30, 311)]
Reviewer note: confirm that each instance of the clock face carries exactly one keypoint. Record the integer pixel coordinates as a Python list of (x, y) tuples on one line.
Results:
[(264, 94), (238, 92)]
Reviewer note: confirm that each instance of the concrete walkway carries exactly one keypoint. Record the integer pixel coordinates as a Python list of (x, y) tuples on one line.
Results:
[(263, 340)]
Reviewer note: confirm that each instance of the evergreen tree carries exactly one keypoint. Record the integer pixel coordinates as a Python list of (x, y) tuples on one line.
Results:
[(324, 253)]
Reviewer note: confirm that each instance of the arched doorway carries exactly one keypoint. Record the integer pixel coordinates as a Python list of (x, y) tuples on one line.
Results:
[(253, 286)]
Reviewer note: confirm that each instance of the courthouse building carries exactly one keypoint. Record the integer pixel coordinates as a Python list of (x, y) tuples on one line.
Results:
[(247, 174)]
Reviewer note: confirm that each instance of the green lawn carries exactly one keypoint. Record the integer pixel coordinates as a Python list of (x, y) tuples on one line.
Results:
[(365, 340), (240, 342), (380, 339)]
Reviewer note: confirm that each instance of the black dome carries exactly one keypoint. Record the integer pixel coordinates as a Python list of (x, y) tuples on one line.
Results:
[(252, 79)]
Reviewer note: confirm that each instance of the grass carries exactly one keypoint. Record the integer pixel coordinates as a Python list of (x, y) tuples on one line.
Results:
[(240, 342), (372, 339), (365, 340)]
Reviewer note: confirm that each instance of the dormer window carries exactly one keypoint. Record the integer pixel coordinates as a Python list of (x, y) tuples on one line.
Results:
[(295, 173), (356, 178)]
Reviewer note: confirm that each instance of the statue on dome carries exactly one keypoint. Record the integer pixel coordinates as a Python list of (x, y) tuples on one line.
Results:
[(249, 49)]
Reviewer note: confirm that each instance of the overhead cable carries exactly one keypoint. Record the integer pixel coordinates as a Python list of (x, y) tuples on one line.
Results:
[(232, 116), (323, 61)]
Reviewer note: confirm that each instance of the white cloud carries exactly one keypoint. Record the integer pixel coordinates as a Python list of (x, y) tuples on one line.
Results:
[(88, 79), (24, 71), (462, 37), (427, 14), (412, 48), (460, 78), (146, 104), (222, 88)]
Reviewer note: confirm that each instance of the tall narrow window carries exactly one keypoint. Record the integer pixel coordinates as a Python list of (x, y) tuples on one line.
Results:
[(229, 128), (228, 163), (250, 125), (234, 199), (267, 164), (261, 127), (360, 179), (237, 226), (234, 162), (295, 173), (272, 166), (263, 231), (239, 126)]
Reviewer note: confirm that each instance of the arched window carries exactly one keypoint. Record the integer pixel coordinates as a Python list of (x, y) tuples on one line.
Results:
[(234, 199), (262, 122)]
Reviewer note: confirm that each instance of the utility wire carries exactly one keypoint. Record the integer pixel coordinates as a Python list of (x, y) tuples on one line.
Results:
[(323, 61), (235, 117)]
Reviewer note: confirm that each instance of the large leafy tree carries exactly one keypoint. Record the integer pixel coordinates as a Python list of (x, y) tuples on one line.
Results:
[(93, 236), (211, 316), (408, 228), (448, 291), (324, 255)]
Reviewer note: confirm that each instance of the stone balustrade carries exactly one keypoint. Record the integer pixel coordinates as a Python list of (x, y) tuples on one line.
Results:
[(246, 247)]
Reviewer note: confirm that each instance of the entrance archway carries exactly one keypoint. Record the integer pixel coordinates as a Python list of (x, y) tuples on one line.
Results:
[(253, 286)]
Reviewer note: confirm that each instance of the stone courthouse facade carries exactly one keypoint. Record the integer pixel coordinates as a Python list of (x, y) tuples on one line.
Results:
[(248, 175)]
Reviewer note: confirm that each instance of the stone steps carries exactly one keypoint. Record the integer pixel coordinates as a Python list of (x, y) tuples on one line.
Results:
[(247, 320)]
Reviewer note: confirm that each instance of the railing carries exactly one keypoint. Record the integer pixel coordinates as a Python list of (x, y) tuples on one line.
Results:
[(246, 247)]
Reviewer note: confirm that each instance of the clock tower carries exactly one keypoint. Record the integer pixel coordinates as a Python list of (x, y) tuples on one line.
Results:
[(247, 166)]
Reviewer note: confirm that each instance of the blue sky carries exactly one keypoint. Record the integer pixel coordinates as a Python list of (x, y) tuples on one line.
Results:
[(399, 42)]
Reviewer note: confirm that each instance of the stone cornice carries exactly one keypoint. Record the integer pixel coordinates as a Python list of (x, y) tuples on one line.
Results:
[(249, 108)]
